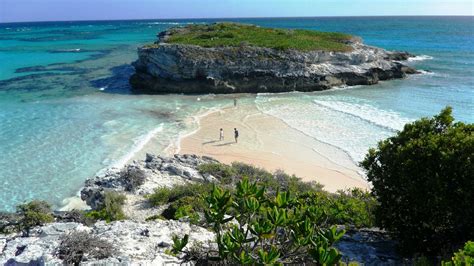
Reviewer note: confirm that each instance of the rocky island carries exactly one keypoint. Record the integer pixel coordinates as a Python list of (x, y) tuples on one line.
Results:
[(237, 58)]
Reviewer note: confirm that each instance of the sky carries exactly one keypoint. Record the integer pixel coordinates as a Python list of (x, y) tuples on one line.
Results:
[(58, 10)]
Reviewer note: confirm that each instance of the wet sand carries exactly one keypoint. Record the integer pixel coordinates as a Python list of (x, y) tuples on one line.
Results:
[(268, 142)]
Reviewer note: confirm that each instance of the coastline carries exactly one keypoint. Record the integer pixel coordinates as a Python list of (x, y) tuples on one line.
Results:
[(268, 142), (147, 143)]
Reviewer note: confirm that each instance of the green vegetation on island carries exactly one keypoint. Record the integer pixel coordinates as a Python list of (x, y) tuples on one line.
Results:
[(236, 35)]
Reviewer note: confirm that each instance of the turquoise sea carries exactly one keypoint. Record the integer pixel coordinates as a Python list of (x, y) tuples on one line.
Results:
[(66, 110)]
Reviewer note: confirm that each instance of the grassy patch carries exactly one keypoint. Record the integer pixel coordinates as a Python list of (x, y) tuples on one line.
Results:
[(236, 35)]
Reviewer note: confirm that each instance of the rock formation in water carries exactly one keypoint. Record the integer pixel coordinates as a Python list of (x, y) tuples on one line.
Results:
[(182, 68)]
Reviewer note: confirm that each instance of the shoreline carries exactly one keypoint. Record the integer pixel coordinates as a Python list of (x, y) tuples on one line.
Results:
[(268, 142), (136, 152)]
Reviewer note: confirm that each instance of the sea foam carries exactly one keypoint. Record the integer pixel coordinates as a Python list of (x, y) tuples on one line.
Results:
[(139, 143), (420, 58)]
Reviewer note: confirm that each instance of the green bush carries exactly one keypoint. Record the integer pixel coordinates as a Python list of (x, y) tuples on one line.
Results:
[(169, 194), (267, 228), (185, 207), (224, 173), (112, 208), (184, 200), (352, 207), (33, 213), (423, 179), (294, 184), (463, 257)]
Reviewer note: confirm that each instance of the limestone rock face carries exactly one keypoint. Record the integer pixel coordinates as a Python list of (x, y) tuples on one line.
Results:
[(178, 68), (156, 171), (127, 237)]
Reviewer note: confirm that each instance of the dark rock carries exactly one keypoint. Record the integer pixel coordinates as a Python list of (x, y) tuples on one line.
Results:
[(132, 177), (20, 250), (370, 246), (163, 245)]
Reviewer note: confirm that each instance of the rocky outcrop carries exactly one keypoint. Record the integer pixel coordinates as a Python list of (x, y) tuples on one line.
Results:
[(178, 68), (154, 171), (139, 241), (136, 243)]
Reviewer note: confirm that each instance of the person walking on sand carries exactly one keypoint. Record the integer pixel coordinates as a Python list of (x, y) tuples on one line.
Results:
[(236, 134), (221, 134)]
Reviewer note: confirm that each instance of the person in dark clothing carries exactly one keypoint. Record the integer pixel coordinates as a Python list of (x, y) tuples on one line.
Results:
[(236, 134)]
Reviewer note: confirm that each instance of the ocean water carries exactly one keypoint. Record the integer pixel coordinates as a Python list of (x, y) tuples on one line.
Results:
[(67, 113)]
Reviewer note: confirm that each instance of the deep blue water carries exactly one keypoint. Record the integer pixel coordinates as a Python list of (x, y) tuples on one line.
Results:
[(66, 111)]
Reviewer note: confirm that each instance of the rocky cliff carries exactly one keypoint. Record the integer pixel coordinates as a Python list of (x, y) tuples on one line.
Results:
[(138, 240), (182, 68)]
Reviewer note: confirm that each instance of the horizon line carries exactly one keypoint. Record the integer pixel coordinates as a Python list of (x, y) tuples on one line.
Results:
[(213, 18)]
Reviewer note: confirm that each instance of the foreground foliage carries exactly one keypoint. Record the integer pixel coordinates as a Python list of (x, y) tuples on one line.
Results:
[(463, 256), (423, 179), (352, 207), (256, 227), (111, 210), (236, 35)]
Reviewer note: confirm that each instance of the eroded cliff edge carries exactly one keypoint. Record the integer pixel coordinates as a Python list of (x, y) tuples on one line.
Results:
[(166, 67)]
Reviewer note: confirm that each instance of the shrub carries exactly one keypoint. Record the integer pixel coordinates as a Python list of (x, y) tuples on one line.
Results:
[(184, 200), (34, 213), (169, 194), (74, 247), (223, 172), (111, 209), (276, 181), (423, 180), (295, 184), (185, 207), (267, 229), (463, 257), (350, 207), (353, 207)]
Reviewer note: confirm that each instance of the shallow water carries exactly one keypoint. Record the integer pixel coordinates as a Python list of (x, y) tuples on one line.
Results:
[(66, 111)]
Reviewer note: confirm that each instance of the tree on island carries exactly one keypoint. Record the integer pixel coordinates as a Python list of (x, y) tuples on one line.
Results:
[(423, 179)]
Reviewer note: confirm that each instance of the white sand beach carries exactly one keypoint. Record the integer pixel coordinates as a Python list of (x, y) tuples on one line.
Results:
[(268, 142)]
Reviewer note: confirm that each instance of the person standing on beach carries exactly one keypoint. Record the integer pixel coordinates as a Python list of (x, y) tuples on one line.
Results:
[(235, 102), (221, 134), (236, 134)]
